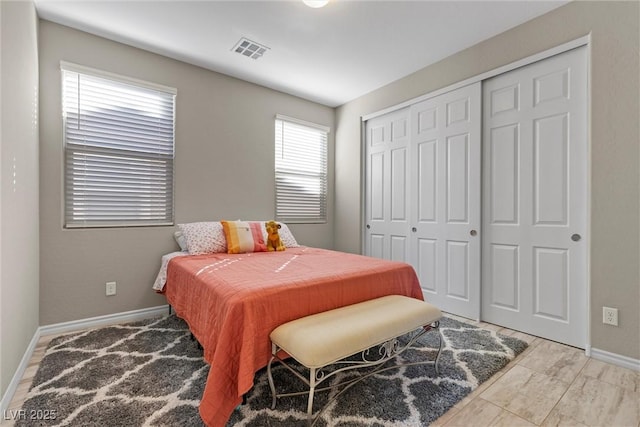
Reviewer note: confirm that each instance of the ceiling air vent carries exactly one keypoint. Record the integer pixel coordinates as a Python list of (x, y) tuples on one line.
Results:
[(250, 48)]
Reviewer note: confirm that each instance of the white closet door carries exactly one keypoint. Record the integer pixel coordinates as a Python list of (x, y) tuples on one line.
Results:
[(535, 199), (387, 187), (445, 173)]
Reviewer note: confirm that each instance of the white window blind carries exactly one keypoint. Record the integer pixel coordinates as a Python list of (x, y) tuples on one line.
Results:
[(301, 171), (119, 150)]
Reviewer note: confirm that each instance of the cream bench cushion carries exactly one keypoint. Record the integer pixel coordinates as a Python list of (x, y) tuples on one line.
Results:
[(324, 338)]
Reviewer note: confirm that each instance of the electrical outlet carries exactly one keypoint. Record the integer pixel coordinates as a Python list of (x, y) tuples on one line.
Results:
[(610, 316), (111, 288)]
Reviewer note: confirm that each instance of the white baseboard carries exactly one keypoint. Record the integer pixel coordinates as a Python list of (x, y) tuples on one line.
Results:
[(17, 376), (75, 325), (108, 319), (616, 359)]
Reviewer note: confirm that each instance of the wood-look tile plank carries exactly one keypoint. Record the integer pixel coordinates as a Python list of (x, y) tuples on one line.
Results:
[(478, 413), (557, 419), (507, 419), (616, 375), (556, 360), (527, 393), (598, 403)]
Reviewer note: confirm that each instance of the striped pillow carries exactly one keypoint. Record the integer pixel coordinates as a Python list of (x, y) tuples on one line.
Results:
[(243, 237)]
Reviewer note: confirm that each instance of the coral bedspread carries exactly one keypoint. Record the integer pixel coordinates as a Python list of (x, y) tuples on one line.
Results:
[(233, 302)]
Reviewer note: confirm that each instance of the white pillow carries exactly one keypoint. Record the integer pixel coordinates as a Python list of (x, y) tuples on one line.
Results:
[(204, 237), (180, 240), (287, 236)]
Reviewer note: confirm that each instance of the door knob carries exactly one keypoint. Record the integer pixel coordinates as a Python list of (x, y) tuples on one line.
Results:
[(414, 229), (368, 226), (576, 237), (473, 232)]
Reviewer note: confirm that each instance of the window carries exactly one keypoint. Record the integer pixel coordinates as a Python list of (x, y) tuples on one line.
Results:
[(301, 171), (118, 150)]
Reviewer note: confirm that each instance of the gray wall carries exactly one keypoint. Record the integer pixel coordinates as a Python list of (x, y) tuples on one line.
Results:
[(19, 184), (223, 170), (615, 71)]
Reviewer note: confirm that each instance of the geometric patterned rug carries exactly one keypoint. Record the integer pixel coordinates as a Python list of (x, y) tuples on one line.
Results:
[(151, 373)]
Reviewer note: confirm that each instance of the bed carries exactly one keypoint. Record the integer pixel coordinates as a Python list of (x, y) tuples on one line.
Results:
[(232, 302)]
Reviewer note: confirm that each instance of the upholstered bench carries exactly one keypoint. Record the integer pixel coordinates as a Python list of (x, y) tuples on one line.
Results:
[(332, 337)]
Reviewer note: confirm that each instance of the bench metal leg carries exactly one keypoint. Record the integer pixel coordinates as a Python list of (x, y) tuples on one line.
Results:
[(274, 351), (312, 388), (311, 383), (437, 361)]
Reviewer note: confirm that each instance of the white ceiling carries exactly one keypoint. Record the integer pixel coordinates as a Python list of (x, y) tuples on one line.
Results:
[(330, 55)]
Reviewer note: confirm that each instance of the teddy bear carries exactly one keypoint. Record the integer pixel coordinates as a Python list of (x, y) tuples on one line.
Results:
[(273, 238)]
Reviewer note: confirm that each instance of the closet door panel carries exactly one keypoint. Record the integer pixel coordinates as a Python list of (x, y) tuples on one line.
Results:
[(535, 179), (399, 246), (375, 243), (446, 218), (387, 186), (505, 287), (399, 202), (551, 170), (458, 285), (427, 262), (457, 178), (427, 175), (376, 194), (504, 172)]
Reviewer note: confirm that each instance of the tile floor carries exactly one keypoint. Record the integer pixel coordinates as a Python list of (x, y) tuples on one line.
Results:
[(549, 384)]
